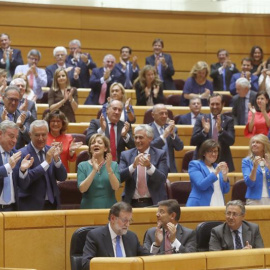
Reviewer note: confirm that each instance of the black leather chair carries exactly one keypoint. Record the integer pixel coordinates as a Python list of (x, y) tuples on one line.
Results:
[(186, 159), (239, 190), (203, 233), (179, 84), (83, 156), (180, 191), (174, 100), (76, 246), (79, 137)]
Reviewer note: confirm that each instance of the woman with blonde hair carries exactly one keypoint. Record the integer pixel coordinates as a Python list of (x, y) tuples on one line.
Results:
[(197, 85), (62, 96), (148, 86), (256, 171)]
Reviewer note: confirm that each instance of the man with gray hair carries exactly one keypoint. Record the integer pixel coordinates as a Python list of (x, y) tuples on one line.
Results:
[(235, 233), (240, 102), (144, 169), (38, 185), (36, 76), (60, 54), (84, 61), (101, 80)]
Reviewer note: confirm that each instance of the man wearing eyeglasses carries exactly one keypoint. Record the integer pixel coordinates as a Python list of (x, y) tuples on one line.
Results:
[(235, 233), (114, 239), (9, 111)]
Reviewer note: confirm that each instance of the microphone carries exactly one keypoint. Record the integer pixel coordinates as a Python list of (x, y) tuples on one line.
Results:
[(173, 250)]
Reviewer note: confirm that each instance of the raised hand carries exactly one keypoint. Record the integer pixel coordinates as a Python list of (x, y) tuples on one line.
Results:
[(49, 154), (26, 163), (172, 231), (14, 159), (123, 63), (205, 124), (247, 246), (108, 160), (134, 62), (74, 145), (156, 90), (107, 74), (24, 106), (128, 101), (158, 234), (84, 58), (125, 129), (102, 122), (4, 115), (21, 119), (251, 108)]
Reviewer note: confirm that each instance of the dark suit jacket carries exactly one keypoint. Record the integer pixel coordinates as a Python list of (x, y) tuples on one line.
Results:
[(95, 84), (99, 244), (84, 74), (155, 182), (185, 119), (253, 82), (32, 189), (121, 145), (50, 73), (16, 60), (3, 174), (175, 144), (186, 237), (221, 237), (167, 73), (238, 108), (225, 138), (23, 138), (131, 74), (218, 78)]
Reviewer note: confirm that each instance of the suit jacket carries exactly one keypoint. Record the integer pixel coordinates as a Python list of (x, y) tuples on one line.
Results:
[(155, 182), (120, 145), (32, 189), (173, 144), (95, 84), (30, 108), (238, 108), (16, 60), (225, 138), (167, 73), (253, 82), (50, 73), (185, 236), (84, 74), (132, 75), (218, 78), (3, 174), (202, 182), (185, 119), (99, 244), (221, 237), (23, 137)]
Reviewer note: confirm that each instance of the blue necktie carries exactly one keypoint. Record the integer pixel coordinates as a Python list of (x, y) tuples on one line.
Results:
[(160, 71), (118, 247), (238, 244), (224, 79), (7, 185), (10, 117)]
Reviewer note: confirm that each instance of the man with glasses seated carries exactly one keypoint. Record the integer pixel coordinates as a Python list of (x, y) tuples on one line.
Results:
[(9, 111), (235, 233), (114, 239)]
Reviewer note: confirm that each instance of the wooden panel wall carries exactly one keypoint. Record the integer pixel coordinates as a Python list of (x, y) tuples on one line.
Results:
[(187, 37)]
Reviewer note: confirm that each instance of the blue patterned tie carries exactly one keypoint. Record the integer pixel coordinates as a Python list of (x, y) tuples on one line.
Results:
[(238, 244), (118, 247), (7, 185)]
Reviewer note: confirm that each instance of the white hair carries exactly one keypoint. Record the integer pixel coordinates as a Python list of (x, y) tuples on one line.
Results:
[(37, 124), (59, 49), (243, 82)]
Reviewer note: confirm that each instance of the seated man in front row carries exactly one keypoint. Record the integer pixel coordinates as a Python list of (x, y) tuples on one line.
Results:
[(235, 233), (169, 236), (114, 239)]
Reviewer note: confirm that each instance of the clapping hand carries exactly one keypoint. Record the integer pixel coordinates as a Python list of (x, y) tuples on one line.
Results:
[(26, 163), (125, 129), (251, 108), (14, 159), (74, 145), (108, 160), (205, 124)]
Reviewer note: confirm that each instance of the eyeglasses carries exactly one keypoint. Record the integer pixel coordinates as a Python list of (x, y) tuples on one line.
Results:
[(212, 152), (233, 214), (33, 59), (125, 221), (10, 99)]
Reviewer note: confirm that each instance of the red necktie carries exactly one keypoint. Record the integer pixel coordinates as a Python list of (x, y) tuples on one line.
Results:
[(142, 186), (31, 80), (112, 141), (102, 94)]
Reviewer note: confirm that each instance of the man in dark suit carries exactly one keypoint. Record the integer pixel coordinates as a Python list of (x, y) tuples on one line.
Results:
[(245, 73), (195, 106), (222, 72), (144, 169), (9, 58), (169, 236), (82, 60), (165, 135), (38, 185), (9, 157), (60, 54), (131, 68), (101, 80), (163, 63), (114, 239), (215, 126), (235, 233), (9, 111), (241, 100), (112, 127)]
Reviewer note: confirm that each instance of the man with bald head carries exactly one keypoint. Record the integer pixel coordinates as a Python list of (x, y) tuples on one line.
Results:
[(101, 80), (241, 100), (165, 135)]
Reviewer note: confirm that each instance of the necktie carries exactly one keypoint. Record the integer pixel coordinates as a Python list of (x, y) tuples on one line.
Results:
[(48, 183), (7, 185), (118, 247), (112, 142), (31, 80), (102, 94), (142, 186), (10, 117), (127, 82), (165, 147), (168, 245), (7, 64), (215, 132), (224, 79), (160, 71), (238, 244)]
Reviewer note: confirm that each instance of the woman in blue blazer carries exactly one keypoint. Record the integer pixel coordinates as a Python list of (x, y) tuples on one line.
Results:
[(209, 179), (256, 171)]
